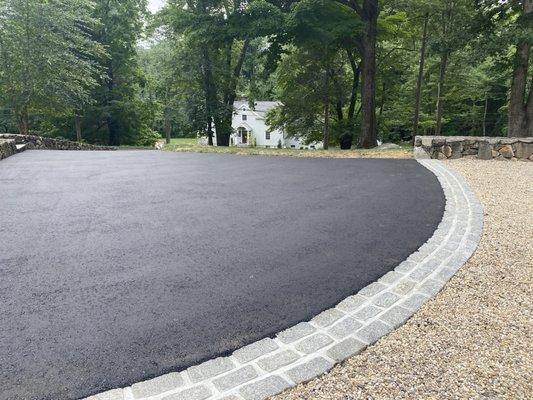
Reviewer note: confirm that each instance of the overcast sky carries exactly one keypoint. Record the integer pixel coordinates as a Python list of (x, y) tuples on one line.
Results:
[(154, 5)]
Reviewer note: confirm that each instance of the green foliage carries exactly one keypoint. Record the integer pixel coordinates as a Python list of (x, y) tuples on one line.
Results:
[(119, 114), (47, 55), (60, 59), (321, 23), (147, 137)]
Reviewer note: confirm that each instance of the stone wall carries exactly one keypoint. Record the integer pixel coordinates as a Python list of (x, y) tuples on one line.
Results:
[(46, 143), (7, 148), (481, 147)]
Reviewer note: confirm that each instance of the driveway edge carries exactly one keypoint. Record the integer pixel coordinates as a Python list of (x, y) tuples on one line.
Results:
[(309, 349)]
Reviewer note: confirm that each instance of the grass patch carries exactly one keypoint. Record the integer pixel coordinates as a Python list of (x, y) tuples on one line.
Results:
[(183, 142), (191, 145)]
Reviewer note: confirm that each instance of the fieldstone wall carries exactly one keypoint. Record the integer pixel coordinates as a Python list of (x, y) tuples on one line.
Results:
[(7, 148), (46, 143), (481, 147)]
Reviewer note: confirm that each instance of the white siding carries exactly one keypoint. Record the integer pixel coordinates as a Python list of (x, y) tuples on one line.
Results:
[(256, 129), (255, 124)]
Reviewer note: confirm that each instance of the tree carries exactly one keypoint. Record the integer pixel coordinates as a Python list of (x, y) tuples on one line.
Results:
[(119, 116), (453, 32), (221, 34), (520, 115), (368, 11), (419, 80), (369, 14), (320, 28), (48, 62), (173, 85)]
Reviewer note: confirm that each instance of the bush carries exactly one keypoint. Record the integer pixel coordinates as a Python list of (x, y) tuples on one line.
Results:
[(346, 141), (147, 137)]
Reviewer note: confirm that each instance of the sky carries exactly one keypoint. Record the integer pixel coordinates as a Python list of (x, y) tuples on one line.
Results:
[(154, 5)]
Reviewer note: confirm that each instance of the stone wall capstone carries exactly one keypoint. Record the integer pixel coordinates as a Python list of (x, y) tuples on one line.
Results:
[(480, 147), (46, 143)]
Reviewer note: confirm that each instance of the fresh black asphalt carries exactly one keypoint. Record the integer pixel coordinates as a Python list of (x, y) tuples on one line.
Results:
[(120, 266)]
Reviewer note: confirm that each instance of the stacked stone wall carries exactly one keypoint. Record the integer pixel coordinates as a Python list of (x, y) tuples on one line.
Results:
[(7, 148), (46, 143), (481, 147)]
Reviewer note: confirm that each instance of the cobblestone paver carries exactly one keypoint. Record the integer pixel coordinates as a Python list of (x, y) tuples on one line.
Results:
[(309, 349)]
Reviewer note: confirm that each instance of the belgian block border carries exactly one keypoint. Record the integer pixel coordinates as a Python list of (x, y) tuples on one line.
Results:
[(311, 348)]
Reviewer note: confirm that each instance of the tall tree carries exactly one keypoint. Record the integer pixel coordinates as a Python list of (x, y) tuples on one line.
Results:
[(221, 33), (118, 110), (313, 73), (369, 14), (444, 23), (520, 117), (322, 28), (47, 58), (419, 80), (368, 11), (453, 31)]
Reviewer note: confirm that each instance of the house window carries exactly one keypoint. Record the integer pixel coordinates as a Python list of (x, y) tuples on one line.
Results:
[(244, 117), (267, 135)]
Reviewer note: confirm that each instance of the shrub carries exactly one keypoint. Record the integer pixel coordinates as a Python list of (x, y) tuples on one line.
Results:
[(147, 137)]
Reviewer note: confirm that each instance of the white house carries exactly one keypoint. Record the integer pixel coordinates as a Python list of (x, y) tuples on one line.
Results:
[(250, 128)]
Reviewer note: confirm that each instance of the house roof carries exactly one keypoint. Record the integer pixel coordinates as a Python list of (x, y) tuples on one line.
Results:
[(260, 107)]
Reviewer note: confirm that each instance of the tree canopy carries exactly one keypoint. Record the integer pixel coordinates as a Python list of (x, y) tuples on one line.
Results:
[(347, 72)]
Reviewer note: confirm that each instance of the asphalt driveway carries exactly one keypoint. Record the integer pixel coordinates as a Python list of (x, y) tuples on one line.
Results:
[(120, 266)]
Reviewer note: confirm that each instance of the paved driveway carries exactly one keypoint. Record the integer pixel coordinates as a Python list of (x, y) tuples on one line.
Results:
[(119, 266)]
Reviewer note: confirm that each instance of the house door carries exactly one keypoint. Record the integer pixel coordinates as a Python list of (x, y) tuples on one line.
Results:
[(243, 135)]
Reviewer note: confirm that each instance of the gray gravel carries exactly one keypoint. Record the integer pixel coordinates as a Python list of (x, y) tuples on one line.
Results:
[(474, 339)]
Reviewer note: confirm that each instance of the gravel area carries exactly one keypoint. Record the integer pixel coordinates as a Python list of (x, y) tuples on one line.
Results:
[(474, 339)]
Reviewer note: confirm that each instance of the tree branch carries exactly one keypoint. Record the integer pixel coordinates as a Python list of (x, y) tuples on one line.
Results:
[(353, 5)]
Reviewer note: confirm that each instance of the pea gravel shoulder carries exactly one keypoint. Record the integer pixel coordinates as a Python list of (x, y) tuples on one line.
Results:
[(309, 349)]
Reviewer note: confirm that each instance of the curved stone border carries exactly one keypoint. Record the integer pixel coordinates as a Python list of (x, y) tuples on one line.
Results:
[(309, 349)]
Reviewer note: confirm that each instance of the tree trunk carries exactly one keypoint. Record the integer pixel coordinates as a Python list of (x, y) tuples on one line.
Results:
[(326, 111), (485, 115), (440, 92), (382, 102), (210, 94), (338, 103), (113, 131), (223, 129), (77, 125), (210, 132), (168, 125), (520, 115), (418, 92), (355, 84), (111, 120), (338, 110), (223, 125), (23, 121), (368, 137)]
